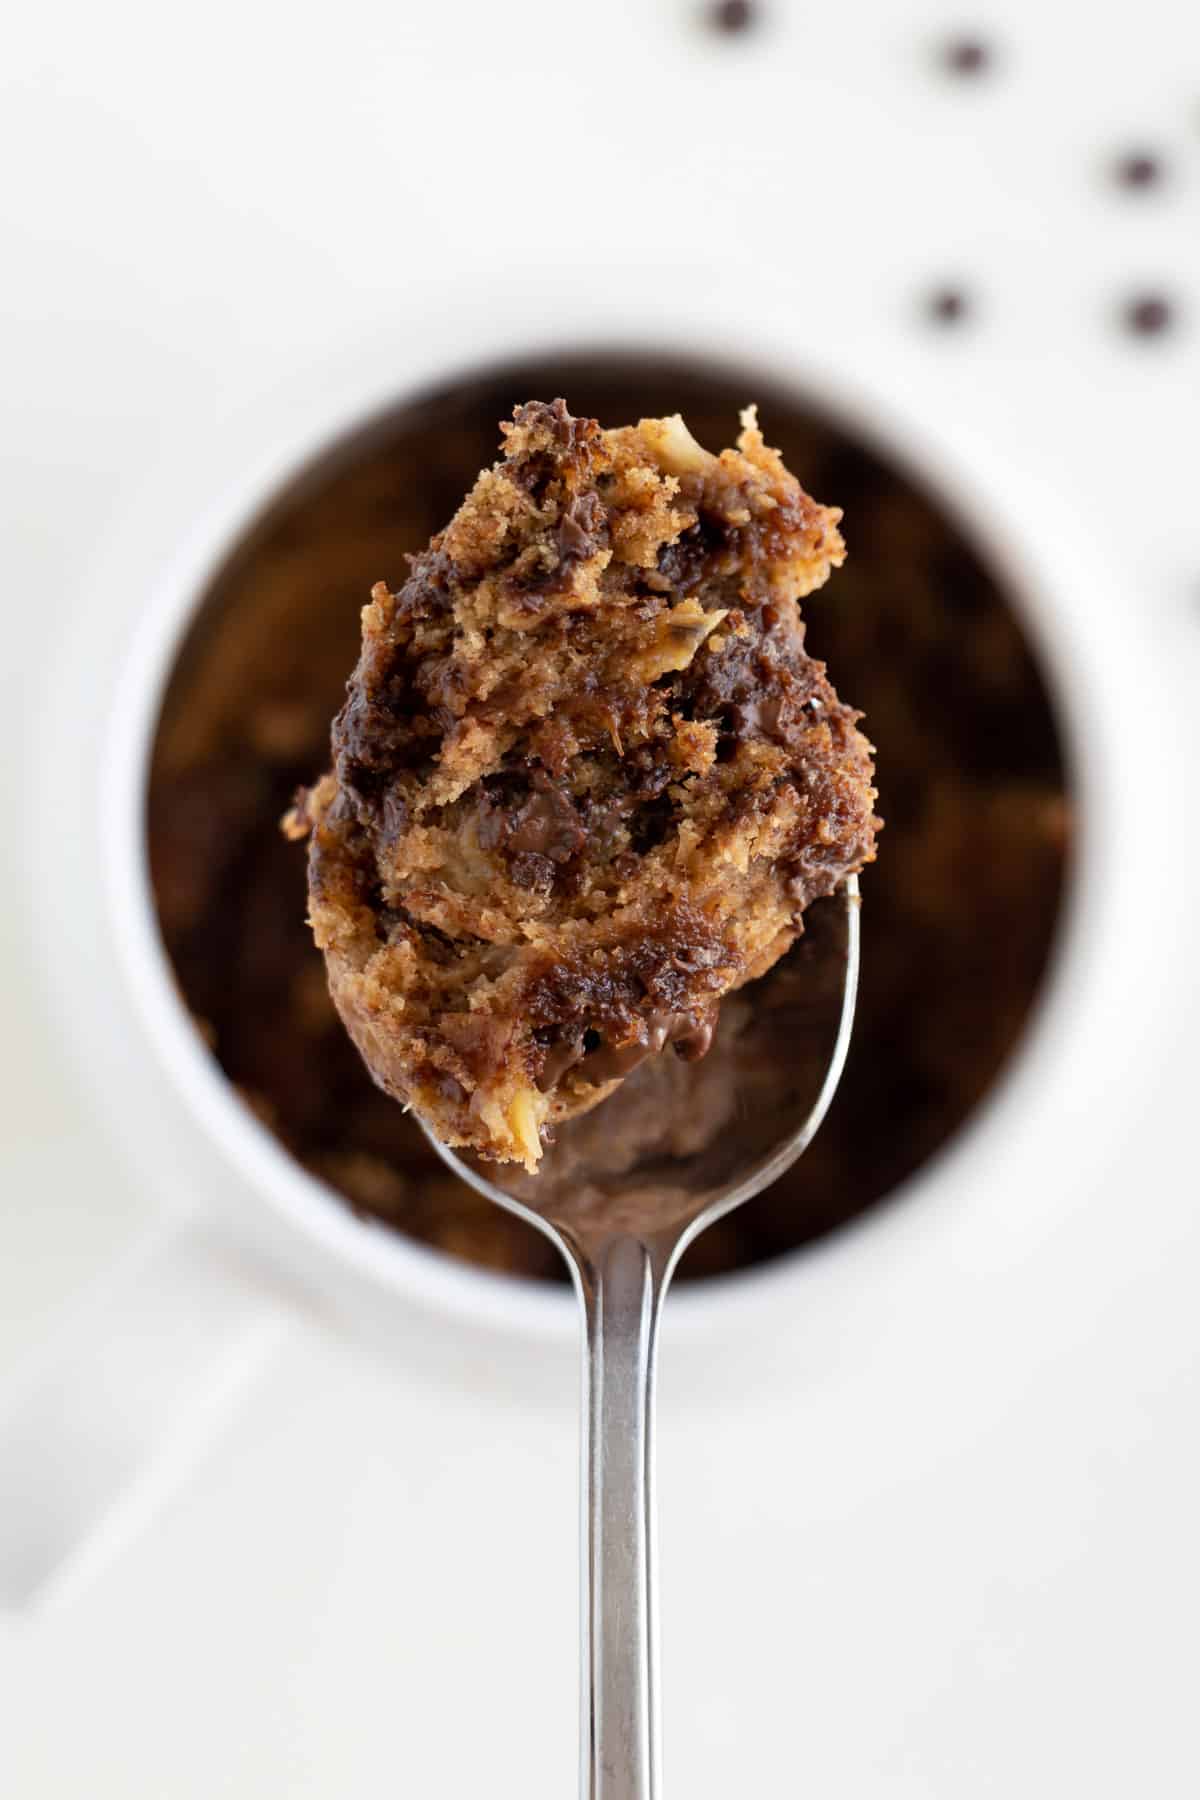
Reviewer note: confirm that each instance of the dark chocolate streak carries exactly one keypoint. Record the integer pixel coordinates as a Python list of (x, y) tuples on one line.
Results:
[(542, 822), (581, 527)]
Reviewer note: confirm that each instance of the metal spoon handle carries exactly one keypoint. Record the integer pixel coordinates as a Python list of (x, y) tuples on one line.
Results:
[(623, 1284)]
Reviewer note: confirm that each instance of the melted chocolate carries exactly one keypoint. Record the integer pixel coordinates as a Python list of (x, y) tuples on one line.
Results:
[(690, 1035)]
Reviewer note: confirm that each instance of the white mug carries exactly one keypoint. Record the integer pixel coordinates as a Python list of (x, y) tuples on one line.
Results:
[(112, 1412)]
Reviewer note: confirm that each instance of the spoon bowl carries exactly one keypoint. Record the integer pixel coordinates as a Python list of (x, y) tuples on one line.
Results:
[(622, 1191), (682, 1143)]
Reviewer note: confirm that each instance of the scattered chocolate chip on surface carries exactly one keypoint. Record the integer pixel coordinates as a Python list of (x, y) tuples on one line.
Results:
[(966, 56), (733, 16), (1149, 315), (948, 306), (1138, 169)]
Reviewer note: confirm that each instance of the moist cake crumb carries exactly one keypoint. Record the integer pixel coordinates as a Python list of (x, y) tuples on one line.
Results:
[(586, 779)]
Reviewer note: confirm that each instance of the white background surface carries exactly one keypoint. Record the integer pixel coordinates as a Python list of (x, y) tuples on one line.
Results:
[(938, 1546)]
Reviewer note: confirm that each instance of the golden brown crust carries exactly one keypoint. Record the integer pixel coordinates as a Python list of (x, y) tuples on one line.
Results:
[(586, 778)]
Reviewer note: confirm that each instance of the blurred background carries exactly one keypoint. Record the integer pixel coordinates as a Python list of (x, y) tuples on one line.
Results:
[(927, 1492)]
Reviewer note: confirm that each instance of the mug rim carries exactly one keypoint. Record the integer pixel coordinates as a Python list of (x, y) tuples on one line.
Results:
[(388, 1257)]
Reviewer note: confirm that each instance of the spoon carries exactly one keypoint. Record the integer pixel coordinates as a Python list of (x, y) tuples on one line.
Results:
[(623, 1191)]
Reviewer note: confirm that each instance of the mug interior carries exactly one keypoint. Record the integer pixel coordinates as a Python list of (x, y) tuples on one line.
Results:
[(918, 630)]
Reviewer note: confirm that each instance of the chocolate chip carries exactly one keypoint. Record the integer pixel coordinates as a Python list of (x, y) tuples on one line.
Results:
[(966, 56), (579, 527), (1138, 169), (393, 816), (948, 306), (690, 1033), (760, 716), (532, 474), (733, 16), (686, 561), (560, 1057), (547, 825), (552, 417), (1148, 315), (529, 815), (573, 540), (612, 1061), (427, 592), (692, 1045)]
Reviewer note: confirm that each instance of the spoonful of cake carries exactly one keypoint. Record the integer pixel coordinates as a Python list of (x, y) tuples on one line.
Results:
[(586, 784)]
